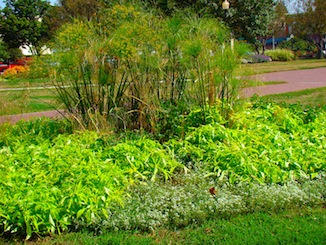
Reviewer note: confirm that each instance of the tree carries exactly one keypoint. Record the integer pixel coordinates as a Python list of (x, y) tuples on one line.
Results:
[(54, 19), (279, 24), (4, 54), (310, 23), (21, 24), (247, 19), (80, 9), (66, 11), (250, 20)]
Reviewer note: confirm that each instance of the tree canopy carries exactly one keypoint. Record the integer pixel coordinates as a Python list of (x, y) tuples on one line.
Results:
[(310, 22), (279, 24), (247, 19), (251, 19), (82, 9), (31, 22), (21, 24)]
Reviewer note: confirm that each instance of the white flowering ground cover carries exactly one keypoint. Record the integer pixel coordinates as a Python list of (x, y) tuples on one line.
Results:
[(268, 159)]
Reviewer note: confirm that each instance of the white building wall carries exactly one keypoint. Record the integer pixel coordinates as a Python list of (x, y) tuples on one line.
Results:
[(27, 50)]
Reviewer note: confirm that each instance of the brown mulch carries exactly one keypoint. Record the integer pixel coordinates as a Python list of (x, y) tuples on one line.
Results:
[(295, 81)]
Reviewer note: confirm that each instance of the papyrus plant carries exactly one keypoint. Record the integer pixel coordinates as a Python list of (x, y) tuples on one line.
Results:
[(129, 74)]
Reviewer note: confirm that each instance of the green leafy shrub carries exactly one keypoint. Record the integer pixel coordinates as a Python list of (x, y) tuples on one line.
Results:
[(33, 132), (49, 184), (143, 159), (299, 46), (45, 186), (270, 158), (280, 54), (268, 145)]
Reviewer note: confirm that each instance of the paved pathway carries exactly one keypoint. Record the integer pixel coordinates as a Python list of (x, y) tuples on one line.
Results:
[(27, 116), (28, 88), (295, 81)]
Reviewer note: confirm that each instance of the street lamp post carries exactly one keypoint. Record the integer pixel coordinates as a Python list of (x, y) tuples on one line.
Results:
[(224, 94), (225, 5)]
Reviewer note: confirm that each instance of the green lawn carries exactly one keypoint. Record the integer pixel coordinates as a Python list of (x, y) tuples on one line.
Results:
[(17, 102), (254, 83), (276, 66), (22, 82), (309, 97), (291, 227)]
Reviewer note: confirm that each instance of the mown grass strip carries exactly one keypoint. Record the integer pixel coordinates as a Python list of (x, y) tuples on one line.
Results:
[(311, 97), (304, 226), (255, 83), (18, 102), (276, 66), (23, 82)]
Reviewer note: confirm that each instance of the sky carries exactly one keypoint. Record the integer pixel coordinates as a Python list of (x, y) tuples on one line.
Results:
[(2, 4)]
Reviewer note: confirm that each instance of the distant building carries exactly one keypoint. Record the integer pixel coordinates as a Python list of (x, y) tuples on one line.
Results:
[(28, 50)]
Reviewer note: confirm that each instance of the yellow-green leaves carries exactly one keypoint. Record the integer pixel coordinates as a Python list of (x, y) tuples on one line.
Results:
[(50, 184), (74, 35), (271, 144)]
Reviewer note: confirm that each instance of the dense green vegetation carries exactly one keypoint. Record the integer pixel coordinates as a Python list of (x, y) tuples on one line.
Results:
[(129, 73), (269, 158), (15, 102), (156, 137), (300, 47)]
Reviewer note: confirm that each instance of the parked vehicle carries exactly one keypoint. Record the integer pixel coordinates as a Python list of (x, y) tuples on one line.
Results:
[(3, 67), (10, 64)]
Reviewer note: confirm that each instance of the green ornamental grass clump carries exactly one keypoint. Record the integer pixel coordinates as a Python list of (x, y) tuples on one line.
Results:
[(280, 54), (123, 72)]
